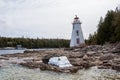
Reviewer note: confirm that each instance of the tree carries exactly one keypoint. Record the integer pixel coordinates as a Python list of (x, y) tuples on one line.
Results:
[(108, 29)]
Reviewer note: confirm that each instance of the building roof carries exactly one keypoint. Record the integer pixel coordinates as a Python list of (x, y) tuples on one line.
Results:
[(76, 17), (76, 20)]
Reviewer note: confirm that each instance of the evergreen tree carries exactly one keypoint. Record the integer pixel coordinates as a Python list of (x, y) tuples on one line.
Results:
[(108, 29), (33, 43)]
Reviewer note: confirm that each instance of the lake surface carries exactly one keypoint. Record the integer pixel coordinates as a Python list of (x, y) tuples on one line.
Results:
[(20, 51), (11, 51)]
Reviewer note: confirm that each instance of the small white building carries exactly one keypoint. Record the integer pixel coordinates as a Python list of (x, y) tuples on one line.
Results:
[(77, 39)]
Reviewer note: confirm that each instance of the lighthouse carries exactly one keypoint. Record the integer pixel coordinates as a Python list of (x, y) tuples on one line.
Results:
[(77, 39)]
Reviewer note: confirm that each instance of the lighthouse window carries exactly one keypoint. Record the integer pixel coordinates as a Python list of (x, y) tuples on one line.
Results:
[(77, 40), (77, 33)]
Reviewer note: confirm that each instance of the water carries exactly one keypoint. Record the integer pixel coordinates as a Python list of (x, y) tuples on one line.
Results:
[(16, 72), (20, 51), (11, 51)]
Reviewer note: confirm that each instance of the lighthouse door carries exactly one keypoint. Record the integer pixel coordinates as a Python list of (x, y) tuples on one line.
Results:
[(77, 40)]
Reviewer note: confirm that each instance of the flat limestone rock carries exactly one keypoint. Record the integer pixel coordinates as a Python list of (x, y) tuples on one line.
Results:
[(4, 58), (91, 53), (71, 69)]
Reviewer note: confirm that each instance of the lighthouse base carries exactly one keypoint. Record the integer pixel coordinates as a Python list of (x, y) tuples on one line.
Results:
[(79, 46)]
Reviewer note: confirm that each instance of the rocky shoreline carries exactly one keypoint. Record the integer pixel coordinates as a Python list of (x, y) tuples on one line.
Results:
[(104, 57)]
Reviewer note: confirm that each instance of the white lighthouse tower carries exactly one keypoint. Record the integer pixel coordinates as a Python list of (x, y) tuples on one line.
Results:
[(77, 39)]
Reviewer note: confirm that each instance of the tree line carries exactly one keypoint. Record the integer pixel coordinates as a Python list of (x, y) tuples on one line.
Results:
[(33, 43), (108, 29)]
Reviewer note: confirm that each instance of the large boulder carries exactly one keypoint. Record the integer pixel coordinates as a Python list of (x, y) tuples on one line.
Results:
[(46, 58), (61, 61)]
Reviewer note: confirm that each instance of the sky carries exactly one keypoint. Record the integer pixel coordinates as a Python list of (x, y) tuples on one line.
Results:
[(51, 18)]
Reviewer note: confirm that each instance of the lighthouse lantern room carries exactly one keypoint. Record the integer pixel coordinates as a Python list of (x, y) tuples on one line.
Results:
[(77, 39)]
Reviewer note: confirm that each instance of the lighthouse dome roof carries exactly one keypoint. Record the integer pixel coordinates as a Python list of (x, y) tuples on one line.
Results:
[(76, 20), (76, 17)]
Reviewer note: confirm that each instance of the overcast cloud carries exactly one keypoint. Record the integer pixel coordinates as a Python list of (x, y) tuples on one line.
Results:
[(51, 18)]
